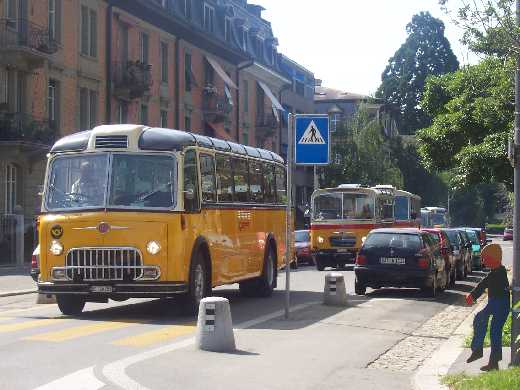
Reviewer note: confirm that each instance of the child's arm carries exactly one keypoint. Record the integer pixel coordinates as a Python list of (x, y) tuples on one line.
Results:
[(480, 288)]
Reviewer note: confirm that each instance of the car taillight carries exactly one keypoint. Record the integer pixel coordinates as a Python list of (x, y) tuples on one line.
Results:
[(361, 260), (423, 263), (34, 261)]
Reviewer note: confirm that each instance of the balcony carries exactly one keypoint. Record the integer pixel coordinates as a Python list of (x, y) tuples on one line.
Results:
[(25, 44), (266, 123), (15, 126), (216, 107), (131, 79)]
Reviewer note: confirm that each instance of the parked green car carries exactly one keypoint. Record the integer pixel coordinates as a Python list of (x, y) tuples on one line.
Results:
[(475, 246)]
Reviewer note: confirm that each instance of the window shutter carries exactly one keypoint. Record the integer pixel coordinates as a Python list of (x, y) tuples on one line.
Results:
[(84, 31), (93, 33)]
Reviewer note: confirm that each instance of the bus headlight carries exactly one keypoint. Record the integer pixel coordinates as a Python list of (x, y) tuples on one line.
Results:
[(56, 248), (321, 240), (153, 247)]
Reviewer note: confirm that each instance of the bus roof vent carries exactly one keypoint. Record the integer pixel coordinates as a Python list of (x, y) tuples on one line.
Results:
[(111, 142)]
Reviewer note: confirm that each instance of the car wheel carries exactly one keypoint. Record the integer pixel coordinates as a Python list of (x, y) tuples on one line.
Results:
[(70, 305), (319, 264), (447, 279), (359, 289), (199, 285), (453, 278)]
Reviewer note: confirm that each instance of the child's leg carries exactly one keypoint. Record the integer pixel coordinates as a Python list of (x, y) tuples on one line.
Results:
[(500, 312), (480, 324)]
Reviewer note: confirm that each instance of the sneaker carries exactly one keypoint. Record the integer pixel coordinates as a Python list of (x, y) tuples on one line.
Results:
[(475, 355)]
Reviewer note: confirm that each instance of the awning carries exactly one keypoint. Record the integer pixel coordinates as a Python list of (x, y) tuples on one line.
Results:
[(269, 93), (223, 75)]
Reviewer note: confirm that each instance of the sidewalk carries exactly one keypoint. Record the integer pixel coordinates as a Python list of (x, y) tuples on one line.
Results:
[(16, 281)]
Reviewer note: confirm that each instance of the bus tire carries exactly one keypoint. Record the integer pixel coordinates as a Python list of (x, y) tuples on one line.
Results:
[(264, 285), (71, 305), (199, 284)]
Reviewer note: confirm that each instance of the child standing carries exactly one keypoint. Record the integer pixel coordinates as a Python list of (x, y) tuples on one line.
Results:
[(498, 307)]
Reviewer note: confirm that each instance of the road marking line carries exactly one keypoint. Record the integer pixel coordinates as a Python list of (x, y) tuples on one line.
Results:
[(79, 331), (81, 380), (156, 336), (7, 328), (116, 372)]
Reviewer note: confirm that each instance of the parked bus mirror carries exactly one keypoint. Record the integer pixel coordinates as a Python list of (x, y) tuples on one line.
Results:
[(189, 193)]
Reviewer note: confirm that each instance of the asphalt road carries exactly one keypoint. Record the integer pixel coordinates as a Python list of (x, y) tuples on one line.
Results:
[(149, 344)]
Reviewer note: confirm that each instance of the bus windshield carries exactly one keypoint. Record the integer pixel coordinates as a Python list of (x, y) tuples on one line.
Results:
[(401, 208), (438, 218), (337, 205), (136, 181)]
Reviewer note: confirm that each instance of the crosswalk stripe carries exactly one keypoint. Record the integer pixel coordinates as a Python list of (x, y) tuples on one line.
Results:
[(80, 331), (5, 319), (6, 328), (156, 336)]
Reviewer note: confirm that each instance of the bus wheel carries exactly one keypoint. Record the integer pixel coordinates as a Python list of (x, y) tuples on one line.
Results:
[(262, 286), (71, 305), (199, 285)]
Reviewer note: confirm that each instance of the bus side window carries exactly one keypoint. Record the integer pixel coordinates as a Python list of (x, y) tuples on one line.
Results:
[(224, 179), (256, 181), (191, 182), (240, 180), (207, 172), (270, 189), (281, 185)]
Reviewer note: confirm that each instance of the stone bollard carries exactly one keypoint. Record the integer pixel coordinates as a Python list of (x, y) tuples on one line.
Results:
[(214, 326), (335, 293)]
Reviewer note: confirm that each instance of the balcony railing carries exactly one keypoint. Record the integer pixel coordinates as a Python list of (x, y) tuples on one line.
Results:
[(132, 79), (16, 34), (15, 126), (216, 107), (266, 121)]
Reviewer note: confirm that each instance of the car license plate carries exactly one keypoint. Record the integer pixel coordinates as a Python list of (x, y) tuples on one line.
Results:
[(392, 260), (101, 289), (342, 250)]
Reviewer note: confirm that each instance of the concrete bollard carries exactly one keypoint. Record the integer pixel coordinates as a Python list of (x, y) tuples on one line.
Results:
[(335, 293), (214, 326)]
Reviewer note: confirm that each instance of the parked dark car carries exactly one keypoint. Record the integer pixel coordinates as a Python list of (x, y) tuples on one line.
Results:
[(400, 258), (460, 252), (481, 234), (476, 247), (442, 240), (508, 234), (302, 246), (469, 250)]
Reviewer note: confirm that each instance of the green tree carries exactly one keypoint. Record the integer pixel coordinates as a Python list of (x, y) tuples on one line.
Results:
[(473, 113), (361, 154), (426, 51)]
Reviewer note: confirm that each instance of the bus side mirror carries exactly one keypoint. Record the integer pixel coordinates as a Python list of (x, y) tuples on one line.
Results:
[(189, 192)]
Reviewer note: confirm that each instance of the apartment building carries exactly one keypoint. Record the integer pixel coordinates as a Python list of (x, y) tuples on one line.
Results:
[(208, 66)]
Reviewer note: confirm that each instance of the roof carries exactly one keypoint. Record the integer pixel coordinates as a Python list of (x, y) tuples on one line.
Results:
[(326, 94), (159, 139)]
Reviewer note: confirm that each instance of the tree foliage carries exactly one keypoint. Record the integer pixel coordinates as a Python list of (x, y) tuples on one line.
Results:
[(361, 154), (426, 51), (473, 113)]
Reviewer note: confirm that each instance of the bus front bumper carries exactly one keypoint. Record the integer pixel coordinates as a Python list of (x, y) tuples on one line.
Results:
[(122, 290)]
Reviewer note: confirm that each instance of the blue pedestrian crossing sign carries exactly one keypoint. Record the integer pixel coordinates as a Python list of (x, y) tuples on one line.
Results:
[(311, 140)]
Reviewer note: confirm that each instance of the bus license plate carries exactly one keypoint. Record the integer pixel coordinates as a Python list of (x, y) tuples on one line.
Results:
[(392, 260), (101, 289)]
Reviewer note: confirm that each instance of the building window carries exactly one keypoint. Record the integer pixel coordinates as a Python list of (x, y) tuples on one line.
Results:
[(186, 8), (55, 20), (187, 72), (88, 107), (209, 18), (245, 137), (144, 43), (227, 29), (245, 36), (11, 13), (164, 62), (11, 175), (187, 120), (335, 120), (245, 101), (88, 32), (164, 119), (53, 103), (122, 112), (143, 117), (209, 74), (260, 48), (123, 43), (338, 159), (299, 87)]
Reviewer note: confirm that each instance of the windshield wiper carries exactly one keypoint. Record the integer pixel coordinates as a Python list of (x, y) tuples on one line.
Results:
[(146, 196)]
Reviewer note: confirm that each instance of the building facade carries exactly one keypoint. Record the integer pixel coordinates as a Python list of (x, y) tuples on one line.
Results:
[(207, 66)]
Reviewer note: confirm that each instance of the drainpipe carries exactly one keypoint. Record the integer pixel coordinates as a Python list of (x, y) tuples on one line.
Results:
[(240, 67), (108, 107), (176, 87)]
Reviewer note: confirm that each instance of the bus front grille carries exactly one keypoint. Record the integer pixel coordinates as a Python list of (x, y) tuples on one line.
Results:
[(99, 264), (345, 241)]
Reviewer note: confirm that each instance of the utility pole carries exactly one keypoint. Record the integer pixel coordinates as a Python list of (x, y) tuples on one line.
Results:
[(515, 334)]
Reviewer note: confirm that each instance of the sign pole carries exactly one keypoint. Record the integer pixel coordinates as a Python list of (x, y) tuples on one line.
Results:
[(288, 247)]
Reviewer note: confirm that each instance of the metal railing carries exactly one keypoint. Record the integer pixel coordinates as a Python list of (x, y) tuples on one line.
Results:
[(25, 34), (266, 121), (216, 105), (132, 79), (16, 126)]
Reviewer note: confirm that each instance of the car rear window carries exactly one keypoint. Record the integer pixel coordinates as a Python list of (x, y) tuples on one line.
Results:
[(393, 240), (302, 236), (452, 235)]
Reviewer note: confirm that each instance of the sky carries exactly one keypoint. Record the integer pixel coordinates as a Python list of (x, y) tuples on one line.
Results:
[(347, 43)]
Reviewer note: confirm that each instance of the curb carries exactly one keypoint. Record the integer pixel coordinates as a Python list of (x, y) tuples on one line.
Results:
[(428, 376), (18, 292)]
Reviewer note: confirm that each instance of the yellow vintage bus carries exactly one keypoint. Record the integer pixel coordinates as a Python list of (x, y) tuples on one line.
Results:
[(342, 216), (133, 211), (407, 207)]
